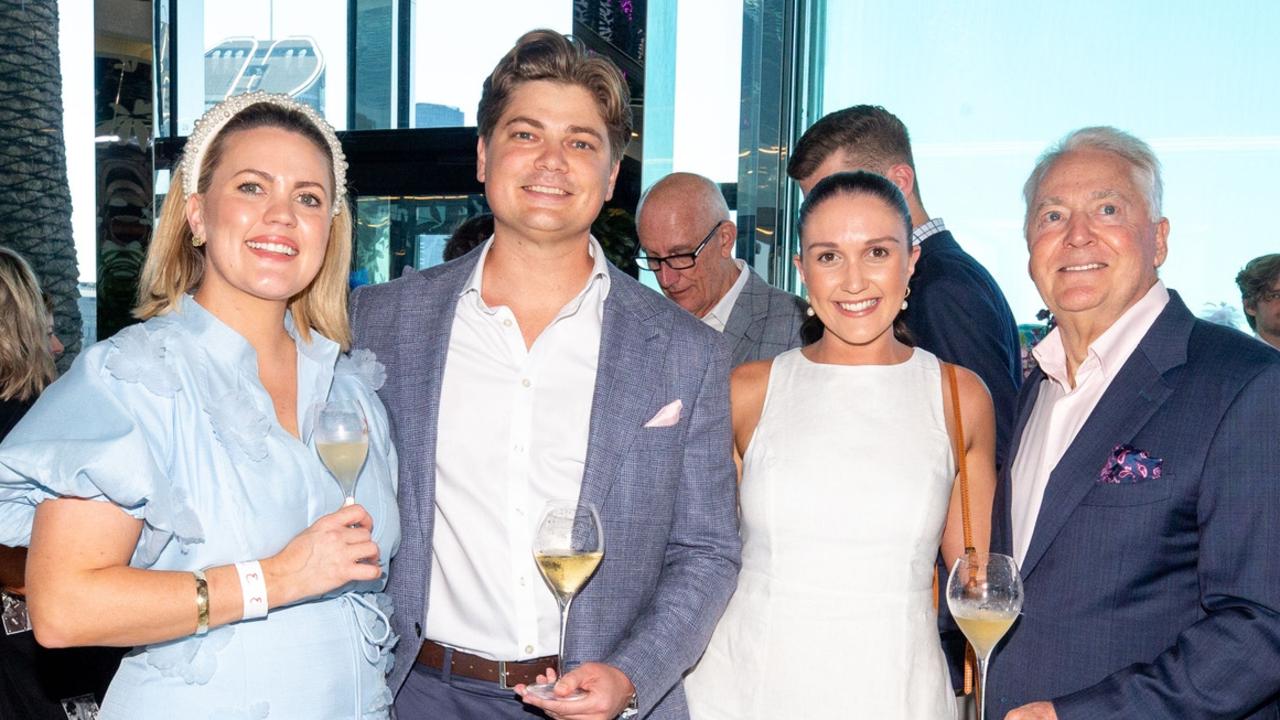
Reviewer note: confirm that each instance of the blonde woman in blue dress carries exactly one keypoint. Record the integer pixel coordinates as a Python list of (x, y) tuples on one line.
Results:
[(168, 484), (847, 490)]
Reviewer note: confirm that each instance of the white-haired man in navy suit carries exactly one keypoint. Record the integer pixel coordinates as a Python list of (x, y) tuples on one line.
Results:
[(1141, 498)]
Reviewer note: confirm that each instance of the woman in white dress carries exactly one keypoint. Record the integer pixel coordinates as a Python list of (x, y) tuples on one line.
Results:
[(848, 490)]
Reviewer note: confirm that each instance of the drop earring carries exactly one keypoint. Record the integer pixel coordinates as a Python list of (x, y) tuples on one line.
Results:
[(904, 298)]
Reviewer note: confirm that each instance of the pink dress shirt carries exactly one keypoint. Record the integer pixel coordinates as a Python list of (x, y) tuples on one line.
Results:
[(1061, 410)]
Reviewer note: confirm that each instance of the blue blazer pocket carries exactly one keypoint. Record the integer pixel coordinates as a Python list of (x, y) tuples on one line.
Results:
[(1148, 491)]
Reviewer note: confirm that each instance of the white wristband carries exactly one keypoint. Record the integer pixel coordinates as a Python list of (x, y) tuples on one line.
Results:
[(253, 588)]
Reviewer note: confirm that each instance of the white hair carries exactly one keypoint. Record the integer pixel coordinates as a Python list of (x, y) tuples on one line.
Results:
[(1145, 165)]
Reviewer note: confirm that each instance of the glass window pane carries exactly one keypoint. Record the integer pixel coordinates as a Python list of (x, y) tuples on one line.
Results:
[(708, 88), (395, 233), (451, 63), (983, 103), (229, 47)]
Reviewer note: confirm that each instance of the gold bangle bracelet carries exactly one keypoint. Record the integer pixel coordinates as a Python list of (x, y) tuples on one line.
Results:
[(202, 602)]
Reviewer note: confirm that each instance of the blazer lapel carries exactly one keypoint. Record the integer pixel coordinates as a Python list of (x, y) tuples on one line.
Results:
[(426, 344), (629, 372), (744, 320), (1132, 398)]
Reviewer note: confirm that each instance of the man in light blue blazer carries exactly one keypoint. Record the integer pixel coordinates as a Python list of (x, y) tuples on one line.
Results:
[(1142, 497), (687, 239), (531, 369)]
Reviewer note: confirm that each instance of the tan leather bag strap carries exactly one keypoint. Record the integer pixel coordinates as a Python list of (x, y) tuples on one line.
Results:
[(957, 441)]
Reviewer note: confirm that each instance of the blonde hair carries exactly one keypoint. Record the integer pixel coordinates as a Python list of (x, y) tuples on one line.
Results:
[(26, 365), (174, 266)]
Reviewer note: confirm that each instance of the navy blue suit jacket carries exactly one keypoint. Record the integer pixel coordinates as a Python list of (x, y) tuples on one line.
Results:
[(1158, 598), (957, 312)]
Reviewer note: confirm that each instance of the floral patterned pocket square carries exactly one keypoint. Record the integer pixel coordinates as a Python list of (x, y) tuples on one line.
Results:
[(1128, 464)]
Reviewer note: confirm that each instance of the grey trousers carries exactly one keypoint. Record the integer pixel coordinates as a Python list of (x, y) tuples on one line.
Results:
[(429, 694)]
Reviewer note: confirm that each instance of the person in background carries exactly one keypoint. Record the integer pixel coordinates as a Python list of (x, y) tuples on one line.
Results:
[(27, 342), (34, 681), (700, 275), (957, 311), (1141, 500), (532, 370), (168, 484), (469, 234), (1259, 284)]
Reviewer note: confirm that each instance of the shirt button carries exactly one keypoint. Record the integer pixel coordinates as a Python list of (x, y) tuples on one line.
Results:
[(528, 649), (526, 382), (507, 322), (521, 582)]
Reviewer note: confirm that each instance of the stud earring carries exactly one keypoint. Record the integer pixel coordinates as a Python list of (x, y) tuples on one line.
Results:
[(809, 311), (197, 240)]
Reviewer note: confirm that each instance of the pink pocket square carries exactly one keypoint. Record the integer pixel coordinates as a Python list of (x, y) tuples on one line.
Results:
[(669, 415)]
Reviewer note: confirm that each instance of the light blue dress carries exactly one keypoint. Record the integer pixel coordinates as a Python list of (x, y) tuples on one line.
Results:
[(169, 421)]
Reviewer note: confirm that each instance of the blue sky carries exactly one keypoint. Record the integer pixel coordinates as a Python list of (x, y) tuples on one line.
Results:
[(984, 87)]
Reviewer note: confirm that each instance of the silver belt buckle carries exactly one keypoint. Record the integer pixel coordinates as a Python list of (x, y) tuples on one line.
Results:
[(502, 675)]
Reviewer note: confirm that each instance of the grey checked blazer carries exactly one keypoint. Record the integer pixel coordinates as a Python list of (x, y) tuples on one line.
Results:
[(764, 322), (667, 496)]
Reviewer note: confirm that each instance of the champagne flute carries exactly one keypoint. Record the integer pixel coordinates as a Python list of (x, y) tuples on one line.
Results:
[(567, 547), (342, 439), (984, 593)]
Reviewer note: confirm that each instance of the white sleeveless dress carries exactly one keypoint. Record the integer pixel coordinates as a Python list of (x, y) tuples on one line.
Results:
[(845, 490)]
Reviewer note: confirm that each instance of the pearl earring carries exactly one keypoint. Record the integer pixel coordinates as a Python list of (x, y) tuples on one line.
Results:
[(904, 298), (809, 311)]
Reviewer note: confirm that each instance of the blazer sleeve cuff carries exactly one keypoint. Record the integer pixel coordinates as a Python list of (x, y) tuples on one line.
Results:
[(641, 670)]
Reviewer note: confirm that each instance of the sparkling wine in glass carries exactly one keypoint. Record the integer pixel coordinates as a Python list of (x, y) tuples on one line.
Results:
[(342, 439), (568, 547), (984, 593)]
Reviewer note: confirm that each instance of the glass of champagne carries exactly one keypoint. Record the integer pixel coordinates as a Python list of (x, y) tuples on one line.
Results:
[(567, 547), (342, 439), (984, 593)]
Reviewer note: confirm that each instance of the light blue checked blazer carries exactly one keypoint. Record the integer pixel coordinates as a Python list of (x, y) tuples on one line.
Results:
[(667, 496)]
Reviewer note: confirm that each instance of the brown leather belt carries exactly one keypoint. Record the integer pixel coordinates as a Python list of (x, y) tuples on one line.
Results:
[(507, 674)]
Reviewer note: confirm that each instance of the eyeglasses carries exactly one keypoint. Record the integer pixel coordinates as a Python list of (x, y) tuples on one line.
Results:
[(1270, 296), (679, 261)]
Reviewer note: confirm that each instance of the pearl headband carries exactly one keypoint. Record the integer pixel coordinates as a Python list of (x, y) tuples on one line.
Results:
[(212, 122)]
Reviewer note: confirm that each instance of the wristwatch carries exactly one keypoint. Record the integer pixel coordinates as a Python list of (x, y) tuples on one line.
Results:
[(631, 710)]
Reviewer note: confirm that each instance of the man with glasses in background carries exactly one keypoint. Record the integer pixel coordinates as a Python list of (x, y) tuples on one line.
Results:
[(759, 321)]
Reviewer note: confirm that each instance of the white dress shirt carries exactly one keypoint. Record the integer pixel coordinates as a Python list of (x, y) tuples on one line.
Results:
[(513, 429), (718, 317), (1061, 410)]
